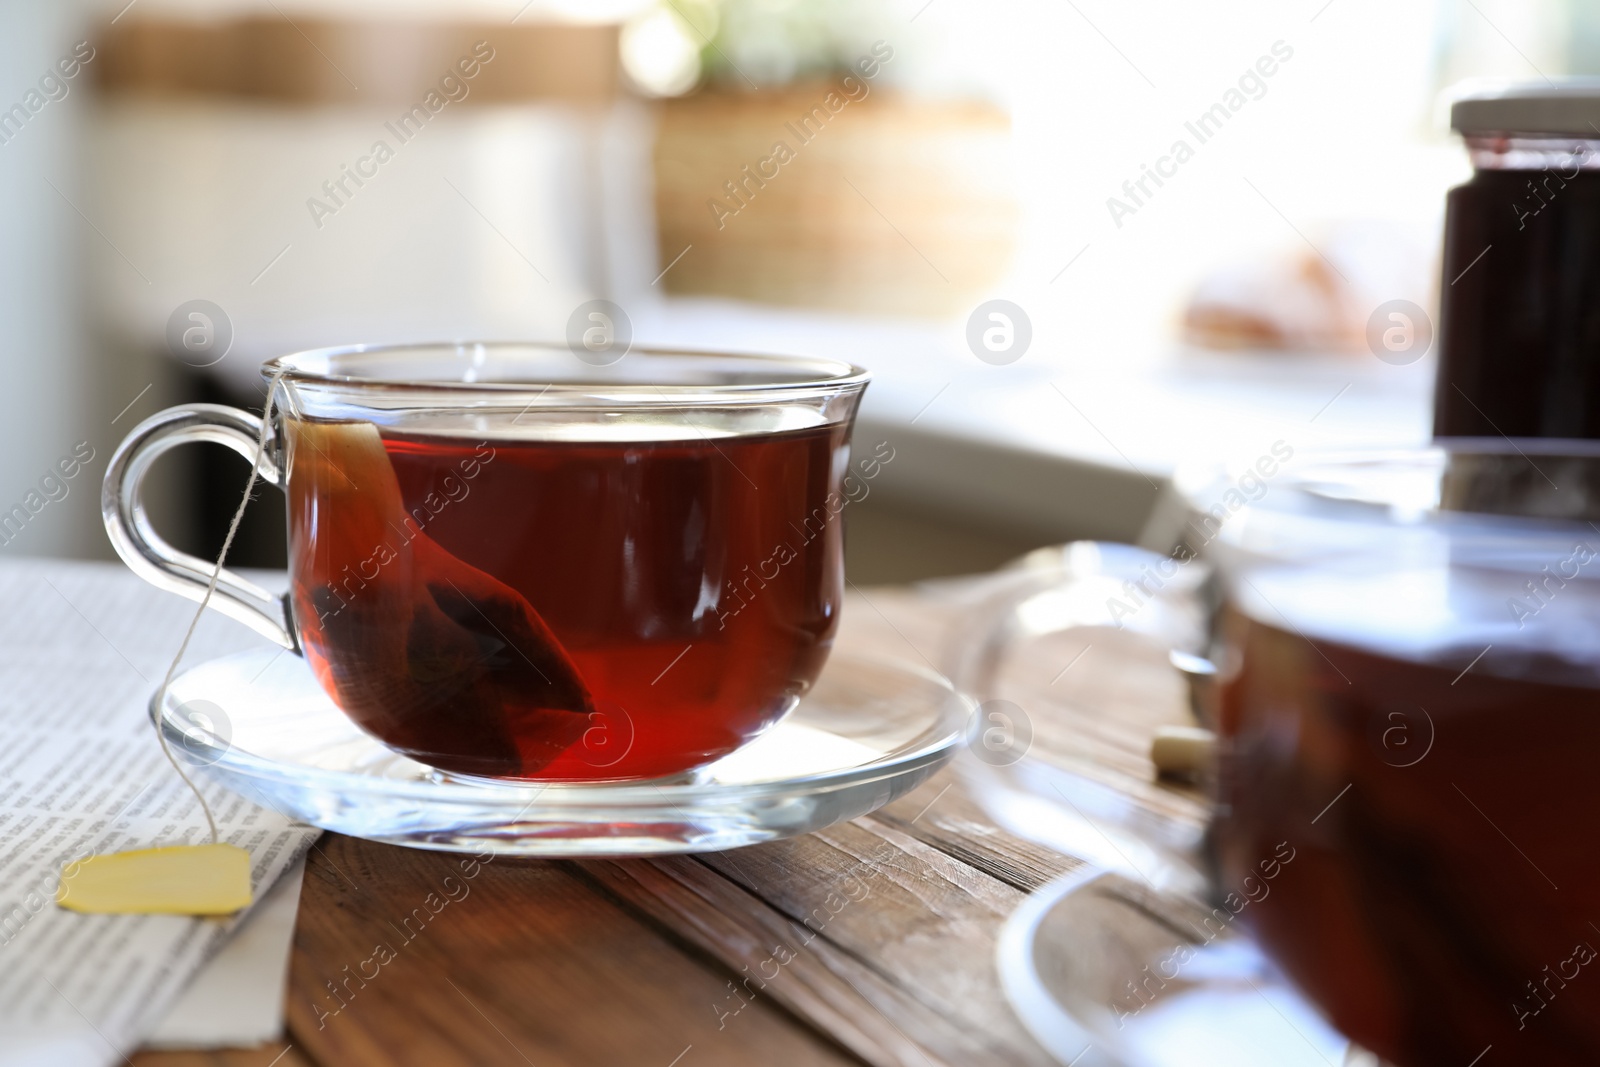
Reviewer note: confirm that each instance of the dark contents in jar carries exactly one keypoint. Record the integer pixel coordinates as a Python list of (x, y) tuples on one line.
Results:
[(1520, 319)]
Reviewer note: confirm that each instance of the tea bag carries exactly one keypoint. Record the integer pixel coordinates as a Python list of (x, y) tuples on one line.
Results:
[(428, 653), (183, 879)]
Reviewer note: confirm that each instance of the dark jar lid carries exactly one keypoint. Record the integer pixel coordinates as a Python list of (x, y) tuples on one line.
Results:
[(1566, 107)]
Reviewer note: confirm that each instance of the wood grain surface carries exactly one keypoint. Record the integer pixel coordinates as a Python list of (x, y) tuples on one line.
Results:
[(868, 942)]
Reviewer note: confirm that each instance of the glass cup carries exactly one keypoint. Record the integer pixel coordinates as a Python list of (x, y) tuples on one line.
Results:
[(507, 562), (1406, 702)]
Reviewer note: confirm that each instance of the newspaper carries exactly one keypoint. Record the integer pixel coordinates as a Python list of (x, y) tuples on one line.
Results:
[(237, 999), (82, 648)]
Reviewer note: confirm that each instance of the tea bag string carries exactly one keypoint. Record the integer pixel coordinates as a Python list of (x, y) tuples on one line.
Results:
[(211, 587)]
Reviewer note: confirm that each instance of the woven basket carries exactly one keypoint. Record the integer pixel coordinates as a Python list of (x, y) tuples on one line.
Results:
[(890, 204)]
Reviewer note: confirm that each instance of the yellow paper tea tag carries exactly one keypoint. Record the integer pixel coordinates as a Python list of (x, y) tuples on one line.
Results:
[(179, 880)]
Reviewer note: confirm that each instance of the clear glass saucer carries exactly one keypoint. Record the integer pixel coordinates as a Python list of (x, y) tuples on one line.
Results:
[(869, 731), (1106, 972)]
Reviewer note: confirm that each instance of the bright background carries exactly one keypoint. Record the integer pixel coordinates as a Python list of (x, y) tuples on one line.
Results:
[(122, 204)]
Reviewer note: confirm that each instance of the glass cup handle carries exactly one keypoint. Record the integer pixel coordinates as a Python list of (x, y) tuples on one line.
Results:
[(1073, 587), (149, 555)]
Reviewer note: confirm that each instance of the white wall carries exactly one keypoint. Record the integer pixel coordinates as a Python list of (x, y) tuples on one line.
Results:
[(47, 405)]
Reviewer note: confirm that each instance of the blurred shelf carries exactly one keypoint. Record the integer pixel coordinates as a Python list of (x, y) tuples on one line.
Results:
[(1056, 445)]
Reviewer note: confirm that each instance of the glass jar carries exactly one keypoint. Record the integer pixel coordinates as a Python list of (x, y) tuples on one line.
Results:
[(1519, 330)]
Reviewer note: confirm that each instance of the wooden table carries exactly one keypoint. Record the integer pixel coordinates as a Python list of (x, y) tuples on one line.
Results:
[(868, 942)]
